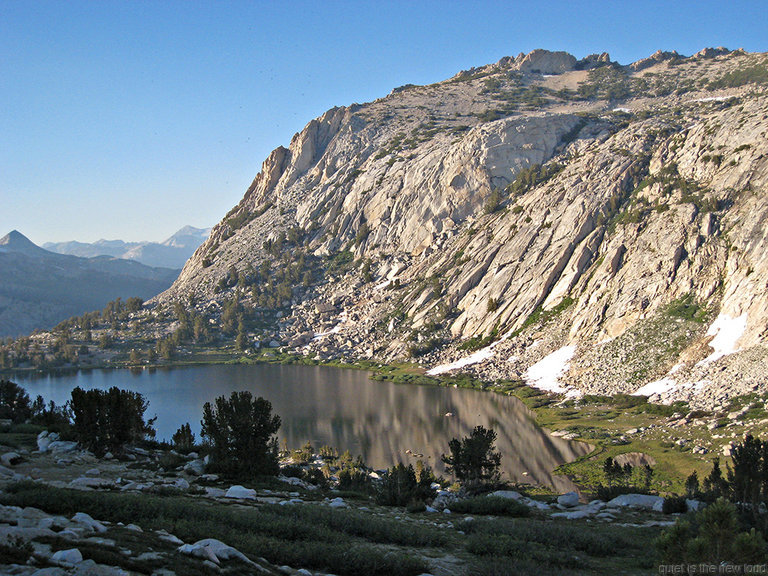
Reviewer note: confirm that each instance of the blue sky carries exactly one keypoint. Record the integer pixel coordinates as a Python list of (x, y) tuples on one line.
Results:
[(131, 119)]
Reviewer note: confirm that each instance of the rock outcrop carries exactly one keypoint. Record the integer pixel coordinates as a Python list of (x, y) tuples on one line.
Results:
[(540, 202)]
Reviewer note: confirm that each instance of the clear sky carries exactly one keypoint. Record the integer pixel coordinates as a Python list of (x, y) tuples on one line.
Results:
[(129, 119)]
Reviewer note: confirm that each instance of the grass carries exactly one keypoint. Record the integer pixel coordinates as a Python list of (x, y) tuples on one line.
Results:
[(534, 546), (342, 542)]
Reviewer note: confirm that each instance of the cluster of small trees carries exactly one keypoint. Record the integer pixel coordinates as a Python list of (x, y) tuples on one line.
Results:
[(745, 482), (107, 420), (627, 476), (16, 407)]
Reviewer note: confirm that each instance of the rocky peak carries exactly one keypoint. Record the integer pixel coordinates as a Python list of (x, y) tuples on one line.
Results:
[(570, 203), (653, 59), (15, 241), (545, 62)]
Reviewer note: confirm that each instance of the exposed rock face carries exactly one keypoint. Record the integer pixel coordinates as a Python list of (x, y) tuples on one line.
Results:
[(655, 58), (643, 225)]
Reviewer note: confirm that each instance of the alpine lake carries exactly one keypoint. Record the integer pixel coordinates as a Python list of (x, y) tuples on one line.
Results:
[(385, 423)]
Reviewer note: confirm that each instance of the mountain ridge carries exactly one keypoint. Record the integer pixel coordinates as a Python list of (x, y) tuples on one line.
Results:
[(397, 180), (39, 288), (173, 252)]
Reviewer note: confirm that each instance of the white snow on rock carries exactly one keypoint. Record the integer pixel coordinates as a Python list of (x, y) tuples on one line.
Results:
[(335, 330), (479, 356), (545, 374), (661, 386), (726, 332), (714, 99)]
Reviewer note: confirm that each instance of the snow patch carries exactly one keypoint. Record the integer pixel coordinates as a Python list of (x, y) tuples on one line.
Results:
[(335, 330), (714, 99), (625, 110), (545, 374), (661, 386), (479, 356), (726, 332)]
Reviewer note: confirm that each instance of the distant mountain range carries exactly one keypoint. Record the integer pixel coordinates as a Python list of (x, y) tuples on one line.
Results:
[(172, 253), (39, 288)]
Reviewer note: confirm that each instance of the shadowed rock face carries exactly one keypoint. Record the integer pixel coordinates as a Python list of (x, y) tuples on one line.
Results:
[(651, 193)]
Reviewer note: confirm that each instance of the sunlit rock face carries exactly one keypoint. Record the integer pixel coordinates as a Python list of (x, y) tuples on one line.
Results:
[(543, 200)]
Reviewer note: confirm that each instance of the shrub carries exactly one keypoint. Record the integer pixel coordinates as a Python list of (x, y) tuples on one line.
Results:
[(183, 439), (292, 471), (493, 202), (400, 487), (486, 505), (354, 480), (473, 459), (54, 418), (674, 505), (712, 537), (317, 477), (240, 431), (16, 550)]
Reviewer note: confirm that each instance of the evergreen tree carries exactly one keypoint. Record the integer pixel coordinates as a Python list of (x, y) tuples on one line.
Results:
[(473, 459), (240, 431)]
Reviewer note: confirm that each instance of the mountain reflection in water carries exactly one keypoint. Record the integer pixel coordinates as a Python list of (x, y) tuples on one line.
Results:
[(383, 422)]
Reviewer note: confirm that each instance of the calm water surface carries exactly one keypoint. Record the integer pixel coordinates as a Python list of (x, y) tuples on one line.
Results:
[(341, 408)]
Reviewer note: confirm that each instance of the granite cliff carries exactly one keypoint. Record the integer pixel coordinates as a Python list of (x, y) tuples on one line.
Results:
[(587, 226)]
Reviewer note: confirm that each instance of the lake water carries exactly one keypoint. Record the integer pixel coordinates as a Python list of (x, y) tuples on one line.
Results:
[(341, 408)]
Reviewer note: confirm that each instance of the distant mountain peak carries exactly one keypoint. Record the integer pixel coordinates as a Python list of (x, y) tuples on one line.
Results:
[(15, 241)]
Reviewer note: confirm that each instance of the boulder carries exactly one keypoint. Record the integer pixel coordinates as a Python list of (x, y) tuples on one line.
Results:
[(71, 556), (241, 492), (338, 503), (195, 467), (62, 447), (181, 484), (508, 494), (10, 458), (85, 520), (166, 537), (573, 515), (645, 501), (533, 503), (87, 482), (44, 440), (52, 571), (90, 568), (568, 500), (196, 551), (222, 551)]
